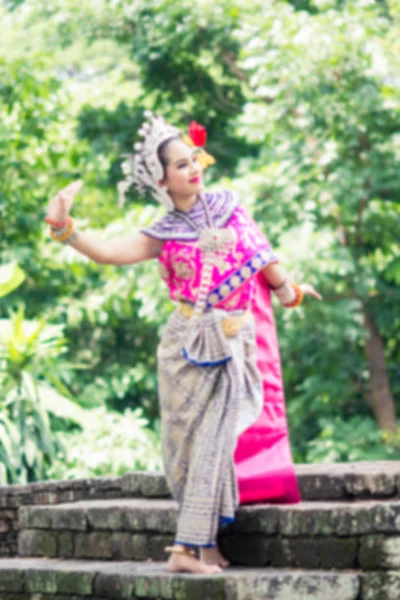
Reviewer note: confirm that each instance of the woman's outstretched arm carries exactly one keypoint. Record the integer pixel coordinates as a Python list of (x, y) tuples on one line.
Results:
[(278, 280), (126, 251)]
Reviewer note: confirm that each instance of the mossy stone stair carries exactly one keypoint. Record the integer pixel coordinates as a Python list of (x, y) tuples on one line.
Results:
[(341, 543)]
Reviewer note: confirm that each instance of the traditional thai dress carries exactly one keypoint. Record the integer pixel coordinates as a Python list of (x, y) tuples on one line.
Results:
[(223, 420)]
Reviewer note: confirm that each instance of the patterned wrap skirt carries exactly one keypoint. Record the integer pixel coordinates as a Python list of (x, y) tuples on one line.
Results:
[(210, 391)]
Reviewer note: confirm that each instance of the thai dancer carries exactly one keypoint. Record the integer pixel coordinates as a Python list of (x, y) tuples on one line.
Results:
[(224, 430)]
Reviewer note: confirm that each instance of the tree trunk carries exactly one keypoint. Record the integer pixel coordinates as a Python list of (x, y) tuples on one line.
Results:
[(381, 398)]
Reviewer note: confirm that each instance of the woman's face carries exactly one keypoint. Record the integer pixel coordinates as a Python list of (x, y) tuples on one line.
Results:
[(183, 171)]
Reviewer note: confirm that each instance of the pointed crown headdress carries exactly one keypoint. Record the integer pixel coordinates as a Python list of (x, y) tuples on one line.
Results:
[(144, 169)]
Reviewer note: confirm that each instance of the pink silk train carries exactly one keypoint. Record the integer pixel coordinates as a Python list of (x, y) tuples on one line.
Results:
[(263, 459)]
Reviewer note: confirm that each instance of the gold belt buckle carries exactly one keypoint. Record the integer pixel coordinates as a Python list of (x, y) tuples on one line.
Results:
[(185, 309), (230, 325)]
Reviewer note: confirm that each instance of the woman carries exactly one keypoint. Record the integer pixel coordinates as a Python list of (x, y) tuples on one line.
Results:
[(224, 434)]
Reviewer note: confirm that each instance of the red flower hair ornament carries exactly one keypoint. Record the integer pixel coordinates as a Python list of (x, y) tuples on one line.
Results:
[(198, 134), (197, 137)]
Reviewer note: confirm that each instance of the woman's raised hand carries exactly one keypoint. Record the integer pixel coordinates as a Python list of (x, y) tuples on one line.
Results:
[(60, 205)]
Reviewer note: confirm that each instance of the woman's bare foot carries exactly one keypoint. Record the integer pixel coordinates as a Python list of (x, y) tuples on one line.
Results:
[(213, 556), (184, 563)]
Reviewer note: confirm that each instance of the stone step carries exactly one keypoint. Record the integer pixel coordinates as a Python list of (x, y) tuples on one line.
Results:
[(34, 579), (335, 481), (341, 535), (341, 481), (338, 481), (345, 481)]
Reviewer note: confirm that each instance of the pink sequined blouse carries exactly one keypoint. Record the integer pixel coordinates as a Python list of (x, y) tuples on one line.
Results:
[(181, 261)]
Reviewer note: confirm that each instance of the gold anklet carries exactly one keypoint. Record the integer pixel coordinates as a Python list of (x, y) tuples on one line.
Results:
[(178, 549)]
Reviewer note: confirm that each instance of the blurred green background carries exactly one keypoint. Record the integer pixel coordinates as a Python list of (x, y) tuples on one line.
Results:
[(301, 101)]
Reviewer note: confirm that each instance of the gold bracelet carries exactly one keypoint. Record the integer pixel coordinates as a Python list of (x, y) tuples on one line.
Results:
[(298, 299), (62, 237)]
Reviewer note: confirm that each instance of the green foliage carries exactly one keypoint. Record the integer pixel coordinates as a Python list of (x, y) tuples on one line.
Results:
[(36, 157), (31, 390), (186, 56), (11, 277), (109, 443), (28, 107), (302, 108), (326, 117), (30, 358), (354, 439), (112, 317)]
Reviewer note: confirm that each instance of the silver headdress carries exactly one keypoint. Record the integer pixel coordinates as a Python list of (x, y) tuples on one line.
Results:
[(144, 169)]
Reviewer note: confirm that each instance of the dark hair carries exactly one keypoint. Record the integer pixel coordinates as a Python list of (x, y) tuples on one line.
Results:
[(162, 153)]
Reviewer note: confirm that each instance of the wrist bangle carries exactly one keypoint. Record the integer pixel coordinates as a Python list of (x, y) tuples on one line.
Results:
[(61, 235), (299, 295)]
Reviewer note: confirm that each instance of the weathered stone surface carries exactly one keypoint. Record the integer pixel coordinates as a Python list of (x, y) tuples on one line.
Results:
[(147, 484), (67, 496), (117, 584), (45, 498), (319, 519), (380, 552), (93, 545), (342, 519), (249, 550), (364, 479), (323, 481), (164, 521), (66, 544), (315, 553), (338, 553), (106, 515), (8, 550), (134, 520), (380, 586), (38, 580), (8, 513), (37, 543), (128, 546), (74, 582), (129, 580), (286, 585), (253, 526), (150, 515), (257, 518), (154, 485), (195, 588), (15, 489), (35, 517), (10, 501), (10, 580), (130, 484), (156, 545), (68, 516), (371, 484), (153, 517), (372, 479), (318, 482), (112, 515), (307, 519), (152, 581), (46, 597), (5, 525), (17, 596)]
